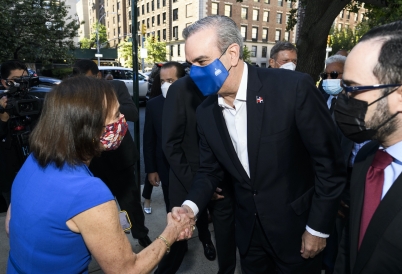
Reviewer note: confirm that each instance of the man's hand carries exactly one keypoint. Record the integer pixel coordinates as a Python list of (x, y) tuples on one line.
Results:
[(216, 195), (184, 213), (311, 245), (3, 104), (153, 178)]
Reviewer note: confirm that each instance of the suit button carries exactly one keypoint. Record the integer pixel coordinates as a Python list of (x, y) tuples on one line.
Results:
[(255, 192)]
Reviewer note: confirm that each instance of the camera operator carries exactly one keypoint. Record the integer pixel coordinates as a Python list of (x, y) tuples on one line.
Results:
[(10, 161)]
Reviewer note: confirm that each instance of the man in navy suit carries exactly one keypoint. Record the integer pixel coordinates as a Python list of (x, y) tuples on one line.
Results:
[(270, 130)]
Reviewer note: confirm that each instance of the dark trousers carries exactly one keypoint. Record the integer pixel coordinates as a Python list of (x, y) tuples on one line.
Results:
[(147, 191), (260, 258), (128, 195)]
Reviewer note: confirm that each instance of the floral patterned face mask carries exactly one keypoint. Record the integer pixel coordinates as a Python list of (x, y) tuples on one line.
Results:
[(114, 134)]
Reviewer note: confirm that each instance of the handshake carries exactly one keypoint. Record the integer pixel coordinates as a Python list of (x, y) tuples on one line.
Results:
[(181, 223)]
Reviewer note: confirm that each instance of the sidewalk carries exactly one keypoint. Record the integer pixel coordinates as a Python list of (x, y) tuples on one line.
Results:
[(194, 261)]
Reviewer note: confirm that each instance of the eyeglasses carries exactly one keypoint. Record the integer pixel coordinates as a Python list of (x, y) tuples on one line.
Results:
[(332, 74), (366, 88)]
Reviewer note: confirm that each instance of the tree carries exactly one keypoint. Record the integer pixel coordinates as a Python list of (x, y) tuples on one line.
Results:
[(246, 55), (156, 50), (347, 38), (36, 30), (318, 17), (86, 43), (125, 51)]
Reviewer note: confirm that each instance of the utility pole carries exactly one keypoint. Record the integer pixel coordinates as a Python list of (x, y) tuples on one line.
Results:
[(143, 31)]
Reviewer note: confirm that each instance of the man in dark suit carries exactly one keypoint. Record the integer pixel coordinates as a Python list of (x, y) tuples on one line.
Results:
[(180, 144), (116, 167), (371, 112), (271, 131), (156, 165)]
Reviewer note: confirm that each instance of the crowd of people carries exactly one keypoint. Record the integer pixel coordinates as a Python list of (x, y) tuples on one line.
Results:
[(296, 179)]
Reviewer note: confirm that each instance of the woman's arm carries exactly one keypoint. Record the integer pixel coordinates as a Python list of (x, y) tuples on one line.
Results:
[(8, 217), (104, 237)]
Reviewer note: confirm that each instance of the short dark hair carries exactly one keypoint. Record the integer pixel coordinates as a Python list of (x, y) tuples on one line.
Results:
[(180, 72), (72, 121), (83, 66), (280, 46), (10, 65), (388, 70)]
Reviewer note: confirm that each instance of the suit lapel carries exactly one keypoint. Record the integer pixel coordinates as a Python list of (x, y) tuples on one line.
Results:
[(224, 133), (389, 207), (255, 114), (357, 184)]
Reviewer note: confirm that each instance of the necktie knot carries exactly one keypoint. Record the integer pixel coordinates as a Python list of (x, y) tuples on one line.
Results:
[(381, 159)]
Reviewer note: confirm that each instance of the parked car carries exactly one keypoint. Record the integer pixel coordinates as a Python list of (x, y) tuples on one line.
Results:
[(126, 75), (48, 81)]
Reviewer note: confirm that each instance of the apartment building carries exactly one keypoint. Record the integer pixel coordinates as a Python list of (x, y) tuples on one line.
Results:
[(347, 19), (261, 22)]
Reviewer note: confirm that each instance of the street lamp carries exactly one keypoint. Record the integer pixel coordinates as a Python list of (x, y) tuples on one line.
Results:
[(97, 37)]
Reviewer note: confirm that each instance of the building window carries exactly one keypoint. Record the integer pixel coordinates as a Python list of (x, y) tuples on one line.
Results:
[(356, 17), (341, 14), (164, 17), (215, 8), (256, 0), (346, 26), (153, 21), (118, 18), (253, 52), (171, 50), (254, 33), (265, 16), (147, 23), (277, 35), (339, 27), (142, 8), (147, 7), (280, 3), (113, 20), (188, 10), (158, 4), (129, 15), (348, 15), (114, 32), (264, 35), (175, 14), (287, 18), (178, 50), (163, 3), (264, 51), (113, 8), (243, 30), (263, 65), (176, 32), (287, 36), (164, 34), (255, 15), (228, 10), (174, 1), (158, 35), (118, 5), (279, 18), (158, 19), (267, 1), (244, 13), (138, 11), (153, 5)]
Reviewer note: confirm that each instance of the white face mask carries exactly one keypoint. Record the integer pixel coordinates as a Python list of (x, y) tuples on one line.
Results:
[(332, 86), (288, 65), (165, 86)]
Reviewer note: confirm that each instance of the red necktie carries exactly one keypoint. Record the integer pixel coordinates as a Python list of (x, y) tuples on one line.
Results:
[(373, 189)]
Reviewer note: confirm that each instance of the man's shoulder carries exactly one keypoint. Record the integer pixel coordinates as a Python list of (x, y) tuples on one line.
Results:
[(155, 101)]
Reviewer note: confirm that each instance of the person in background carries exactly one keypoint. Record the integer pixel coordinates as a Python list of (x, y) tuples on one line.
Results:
[(283, 55), (156, 165), (116, 167), (109, 77), (70, 214)]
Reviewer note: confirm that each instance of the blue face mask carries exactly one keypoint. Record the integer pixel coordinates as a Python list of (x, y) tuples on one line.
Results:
[(209, 79), (332, 86)]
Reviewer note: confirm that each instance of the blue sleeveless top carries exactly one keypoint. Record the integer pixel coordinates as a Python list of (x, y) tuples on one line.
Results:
[(43, 199)]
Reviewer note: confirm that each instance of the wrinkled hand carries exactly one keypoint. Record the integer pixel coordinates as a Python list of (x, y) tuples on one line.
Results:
[(311, 245), (154, 179), (216, 195), (186, 216)]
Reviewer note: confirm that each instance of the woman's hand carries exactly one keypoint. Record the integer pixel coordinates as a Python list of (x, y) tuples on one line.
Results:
[(183, 228)]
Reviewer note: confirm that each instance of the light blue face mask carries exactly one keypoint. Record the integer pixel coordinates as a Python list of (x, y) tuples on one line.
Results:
[(209, 79), (332, 86)]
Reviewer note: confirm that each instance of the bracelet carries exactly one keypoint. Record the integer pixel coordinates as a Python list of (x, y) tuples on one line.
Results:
[(166, 243)]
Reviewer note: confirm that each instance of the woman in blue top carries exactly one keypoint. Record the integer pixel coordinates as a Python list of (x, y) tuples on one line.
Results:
[(61, 214)]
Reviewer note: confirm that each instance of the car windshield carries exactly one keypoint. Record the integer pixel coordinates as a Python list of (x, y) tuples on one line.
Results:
[(122, 74)]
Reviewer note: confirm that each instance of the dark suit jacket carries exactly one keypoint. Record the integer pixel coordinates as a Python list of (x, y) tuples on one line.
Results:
[(180, 137), (154, 158), (381, 248), (296, 167), (126, 155)]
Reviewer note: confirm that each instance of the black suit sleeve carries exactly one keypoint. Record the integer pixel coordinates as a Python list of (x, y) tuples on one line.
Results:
[(149, 141), (318, 134), (173, 130), (3, 129), (127, 106)]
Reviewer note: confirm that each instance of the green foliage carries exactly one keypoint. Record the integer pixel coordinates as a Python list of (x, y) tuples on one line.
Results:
[(86, 43), (246, 55), (34, 30), (125, 51), (382, 15), (59, 73), (156, 50), (343, 39)]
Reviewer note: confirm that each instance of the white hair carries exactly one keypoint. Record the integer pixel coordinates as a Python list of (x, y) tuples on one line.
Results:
[(335, 59)]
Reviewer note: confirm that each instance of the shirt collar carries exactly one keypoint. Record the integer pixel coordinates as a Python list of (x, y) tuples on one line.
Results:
[(241, 92), (396, 152)]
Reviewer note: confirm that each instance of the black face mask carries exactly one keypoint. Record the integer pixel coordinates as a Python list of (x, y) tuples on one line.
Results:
[(349, 115)]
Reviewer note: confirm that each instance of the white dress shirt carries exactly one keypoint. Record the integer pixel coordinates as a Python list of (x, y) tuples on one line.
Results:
[(392, 172)]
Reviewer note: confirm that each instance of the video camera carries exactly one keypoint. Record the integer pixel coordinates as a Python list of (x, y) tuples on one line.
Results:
[(18, 101)]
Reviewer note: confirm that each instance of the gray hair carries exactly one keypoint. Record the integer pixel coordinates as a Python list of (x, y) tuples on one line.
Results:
[(280, 46), (226, 30), (335, 59)]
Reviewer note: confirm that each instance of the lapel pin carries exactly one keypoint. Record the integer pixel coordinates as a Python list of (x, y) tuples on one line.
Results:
[(259, 100)]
